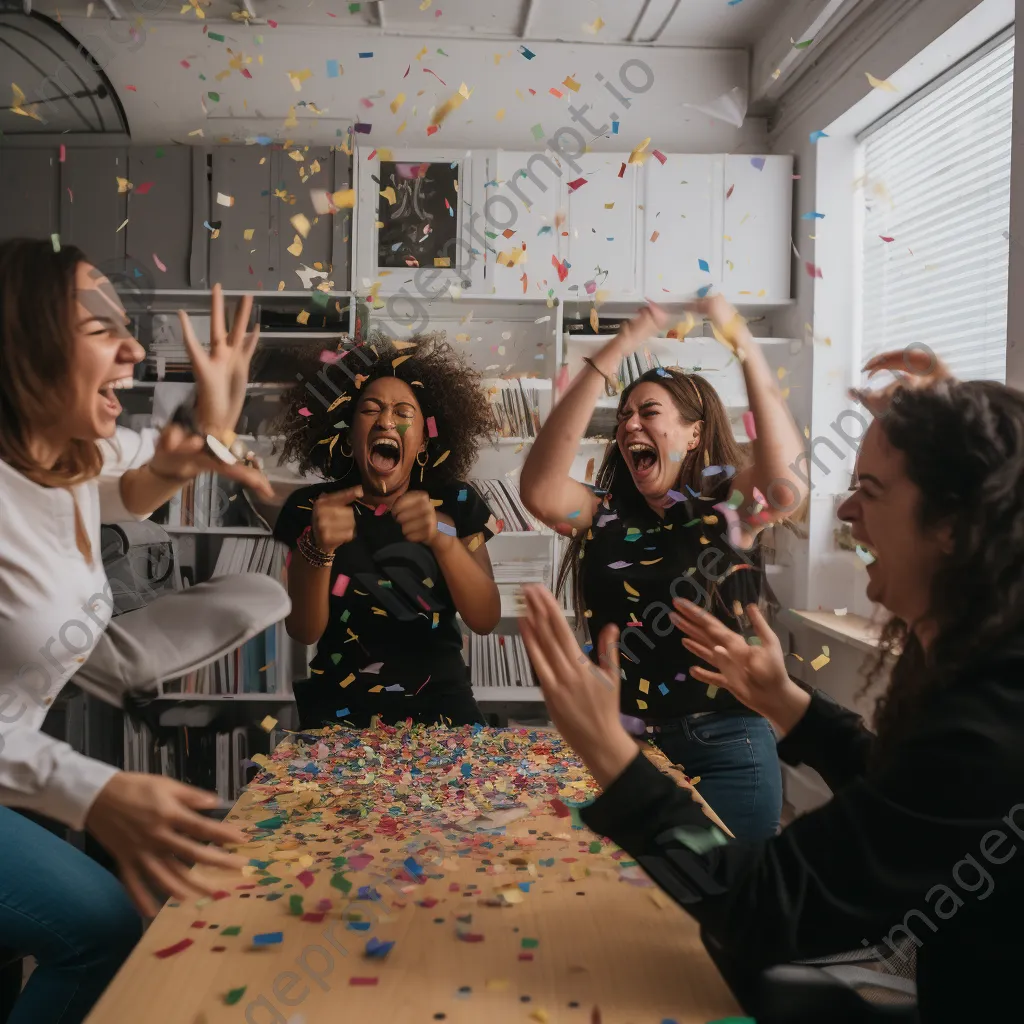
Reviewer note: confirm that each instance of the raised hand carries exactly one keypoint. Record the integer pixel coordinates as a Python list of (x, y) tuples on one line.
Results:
[(649, 321), (334, 520), (913, 368), (151, 826), (223, 372), (415, 513), (755, 674), (181, 456), (583, 699)]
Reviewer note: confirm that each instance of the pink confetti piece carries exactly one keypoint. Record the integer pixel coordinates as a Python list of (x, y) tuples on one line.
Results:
[(619, 565), (812, 270), (305, 412), (360, 861), (380, 509), (246, 73), (141, 190), (184, 63), (198, 924), (363, 981), (221, 894), (327, 356), (159, 265), (63, 153), (272, 24), (131, 88), (431, 427), (167, 951), (305, 878), (340, 585), (748, 425), (315, 916), (659, 156), (436, 75)]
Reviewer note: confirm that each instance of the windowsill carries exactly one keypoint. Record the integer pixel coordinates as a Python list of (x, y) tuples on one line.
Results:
[(849, 629)]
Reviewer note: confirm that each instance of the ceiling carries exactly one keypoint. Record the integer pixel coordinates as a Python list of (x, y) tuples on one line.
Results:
[(716, 23)]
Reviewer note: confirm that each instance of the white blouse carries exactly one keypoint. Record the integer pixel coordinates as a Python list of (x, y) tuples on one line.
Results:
[(53, 608)]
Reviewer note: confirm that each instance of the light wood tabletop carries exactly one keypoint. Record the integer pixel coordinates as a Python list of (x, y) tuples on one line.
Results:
[(461, 848)]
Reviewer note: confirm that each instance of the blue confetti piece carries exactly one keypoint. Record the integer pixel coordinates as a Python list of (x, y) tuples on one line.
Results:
[(332, 69), (702, 292), (528, 54), (545, 230), (615, 127), (445, 528), (467, 770), (680, 677), (268, 939), (815, 135), (663, 689), (358, 926), (264, 140), (757, 162), (587, 648), (367, 54), (703, 264), (463, 494), (412, 867), (663, 373), (813, 215), (573, 515), (376, 948), (343, 712), (367, 892)]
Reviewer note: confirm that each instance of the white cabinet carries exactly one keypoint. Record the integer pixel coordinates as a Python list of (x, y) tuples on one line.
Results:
[(682, 225), (534, 237), (758, 228), (600, 237)]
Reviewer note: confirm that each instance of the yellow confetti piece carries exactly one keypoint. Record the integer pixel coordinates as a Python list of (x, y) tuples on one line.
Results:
[(344, 199), (298, 77), (376, 689), (595, 322), (296, 247), (378, 611), (630, 590), (712, 690), (880, 83), (350, 678), (578, 871), (124, 185), (268, 723), (645, 686), (389, 194), (303, 316), (500, 115), (497, 984), (638, 156), (17, 101), (442, 261), (595, 26), (653, 561), (641, 704), (444, 455), (450, 104), (395, 363), (248, 233), (820, 662), (301, 224), (475, 541)]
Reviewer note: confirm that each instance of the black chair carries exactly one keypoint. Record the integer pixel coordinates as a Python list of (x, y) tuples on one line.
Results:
[(10, 981)]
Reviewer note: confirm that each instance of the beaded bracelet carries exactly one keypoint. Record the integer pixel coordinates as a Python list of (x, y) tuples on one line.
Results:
[(312, 552)]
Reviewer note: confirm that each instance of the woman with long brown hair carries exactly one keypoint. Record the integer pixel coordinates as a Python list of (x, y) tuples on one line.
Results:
[(676, 511), (65, 467)]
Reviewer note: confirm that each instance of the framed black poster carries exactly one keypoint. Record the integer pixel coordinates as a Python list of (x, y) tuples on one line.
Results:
[(418, 210)]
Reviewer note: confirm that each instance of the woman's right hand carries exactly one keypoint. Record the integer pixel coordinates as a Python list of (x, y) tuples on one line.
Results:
[(334, 521), (755, 674), (151, 826), (648, 322)]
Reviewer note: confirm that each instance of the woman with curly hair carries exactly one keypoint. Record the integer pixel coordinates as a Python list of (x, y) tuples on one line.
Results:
[(393, 544), (926, 814)]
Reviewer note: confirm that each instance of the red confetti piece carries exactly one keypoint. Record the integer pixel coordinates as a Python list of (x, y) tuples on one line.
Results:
[(429, 902), (470, 937), (729, 193), (163, 954), (63, 153), (560, 809), (659, 156), (184, 64), (578, 183), (440, 79), (407, 70), (812, 270), (221, 894), (372, 155), (306, 877), (131, 88), (431, 129), (198, 924), (622, 170), (314, 916), (362, 981), (886, 238), (555, 93), (141, 190), (525, 956), (272, 24), (246, 73), (380, 509), (563, 271)]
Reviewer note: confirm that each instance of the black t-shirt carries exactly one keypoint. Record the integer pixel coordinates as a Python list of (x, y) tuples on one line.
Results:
[(634, 563), (392, 624)]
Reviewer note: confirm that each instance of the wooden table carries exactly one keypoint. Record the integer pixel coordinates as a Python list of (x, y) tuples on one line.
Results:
[(536, 919)]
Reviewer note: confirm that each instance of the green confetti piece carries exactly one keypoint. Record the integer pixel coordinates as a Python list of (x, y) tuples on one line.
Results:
[(55, 242), (339, 862), (692, 522), (234, 995), (538, 131), (440, 51), (530, 943), (259, 40), (803, 44), (275, 822), (295, 905), (269, 880), (595, 846), (202, 78), (335, 658), (700, 840), (339, 881), (215, 96), (235, 929), (159, 152), (345, 614), (215, 35), (354, 8)]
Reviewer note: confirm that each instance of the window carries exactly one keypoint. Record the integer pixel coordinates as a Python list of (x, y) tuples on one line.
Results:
[(936, 222)]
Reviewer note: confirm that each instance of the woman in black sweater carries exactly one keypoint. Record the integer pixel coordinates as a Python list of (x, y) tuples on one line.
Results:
[(919, 841)]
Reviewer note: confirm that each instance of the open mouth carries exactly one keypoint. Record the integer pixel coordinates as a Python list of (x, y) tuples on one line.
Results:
[(643, 456), (107, 391), (385, 454)]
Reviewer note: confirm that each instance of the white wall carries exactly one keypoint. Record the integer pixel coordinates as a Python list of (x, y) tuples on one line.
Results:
[(1015, 311), (166, 102)]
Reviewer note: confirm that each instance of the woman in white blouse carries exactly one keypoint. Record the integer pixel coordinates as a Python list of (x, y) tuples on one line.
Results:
[(64, 347)]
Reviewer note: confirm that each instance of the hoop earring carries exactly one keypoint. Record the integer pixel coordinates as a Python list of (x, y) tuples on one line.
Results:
[(345, 454), (423, 464)]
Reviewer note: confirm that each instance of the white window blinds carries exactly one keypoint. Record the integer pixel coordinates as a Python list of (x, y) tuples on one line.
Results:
[(937, 183)]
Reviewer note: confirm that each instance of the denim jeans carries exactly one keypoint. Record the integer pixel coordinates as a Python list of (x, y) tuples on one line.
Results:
[(64, 909), (738, 765)]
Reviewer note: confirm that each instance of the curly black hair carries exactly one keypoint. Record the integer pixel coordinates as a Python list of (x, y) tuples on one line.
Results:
[(325, 396), (963, 448)]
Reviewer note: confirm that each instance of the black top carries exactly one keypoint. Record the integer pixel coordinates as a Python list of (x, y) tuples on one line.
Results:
[(931, 841), (634, 563), (393, 623)]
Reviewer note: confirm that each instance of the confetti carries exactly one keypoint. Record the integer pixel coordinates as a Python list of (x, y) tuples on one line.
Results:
[(159, 265), (816, 135), (340, 585), (431, 427), (334, 69), (879, 83), (268, 939), (224, 200), (268, 723)]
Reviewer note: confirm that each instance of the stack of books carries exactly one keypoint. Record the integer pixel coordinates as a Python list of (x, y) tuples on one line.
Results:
[(515, 407), (502, 497), (499, 663)]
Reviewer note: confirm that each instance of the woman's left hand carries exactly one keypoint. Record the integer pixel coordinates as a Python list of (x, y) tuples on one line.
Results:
[(414, 512), (583, 699), (223, 372), (181, 457)]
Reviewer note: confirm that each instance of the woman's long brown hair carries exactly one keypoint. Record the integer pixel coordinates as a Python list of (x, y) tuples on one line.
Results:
[(697, 401), (37, 298)]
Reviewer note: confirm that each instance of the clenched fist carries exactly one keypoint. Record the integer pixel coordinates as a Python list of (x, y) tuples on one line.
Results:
[(334, 522), (414, 512)]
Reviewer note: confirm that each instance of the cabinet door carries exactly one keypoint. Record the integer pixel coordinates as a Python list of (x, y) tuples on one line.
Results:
[(535, 239), (29, 205), (599, 237), (682, 225), (91, 207), (160, 212), (242, 177), (758, 228), (296, 171)]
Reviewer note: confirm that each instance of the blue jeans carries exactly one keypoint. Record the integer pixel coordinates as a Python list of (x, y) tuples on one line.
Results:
[(738, 765), (64, 909)]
